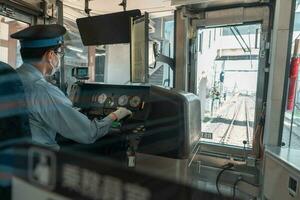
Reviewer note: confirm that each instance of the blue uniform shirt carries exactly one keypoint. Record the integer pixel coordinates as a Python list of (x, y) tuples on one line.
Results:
[(51, 112)]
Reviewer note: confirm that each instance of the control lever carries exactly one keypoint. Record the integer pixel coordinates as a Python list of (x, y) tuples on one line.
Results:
[(133, 141), (250, 160), (245, 153), (126, 118), (132, 147)]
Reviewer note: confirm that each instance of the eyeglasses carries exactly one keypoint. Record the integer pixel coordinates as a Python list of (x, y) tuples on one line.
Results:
[(59, 52)]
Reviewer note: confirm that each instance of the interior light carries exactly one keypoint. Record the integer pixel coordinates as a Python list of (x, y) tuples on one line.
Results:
[(74, 49)]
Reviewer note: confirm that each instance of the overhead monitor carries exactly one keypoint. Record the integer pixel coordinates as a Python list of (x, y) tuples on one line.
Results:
[(111, 28), (139, 50)]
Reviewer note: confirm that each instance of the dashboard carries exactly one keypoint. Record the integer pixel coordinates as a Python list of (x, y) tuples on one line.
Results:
[(111, 101), (100, 100), (164, 122)]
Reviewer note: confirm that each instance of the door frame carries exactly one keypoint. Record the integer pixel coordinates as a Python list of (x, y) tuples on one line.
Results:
[(191, 19), (26, 14)]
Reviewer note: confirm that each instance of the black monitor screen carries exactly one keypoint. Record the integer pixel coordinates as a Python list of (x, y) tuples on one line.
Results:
[(82, 71), (106, 29)]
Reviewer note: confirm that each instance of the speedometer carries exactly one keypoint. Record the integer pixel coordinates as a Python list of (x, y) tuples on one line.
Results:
[(123, 100), (102, 98), (135, 101)]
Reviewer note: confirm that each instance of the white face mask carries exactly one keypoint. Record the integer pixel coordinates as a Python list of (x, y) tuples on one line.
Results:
[(55, 66)]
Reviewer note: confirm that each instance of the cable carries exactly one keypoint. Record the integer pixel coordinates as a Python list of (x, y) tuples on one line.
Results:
[(225, 167), (240, 179), (234, 187)]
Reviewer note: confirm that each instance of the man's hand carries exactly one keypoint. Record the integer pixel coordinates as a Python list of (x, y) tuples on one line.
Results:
[(120, 113)]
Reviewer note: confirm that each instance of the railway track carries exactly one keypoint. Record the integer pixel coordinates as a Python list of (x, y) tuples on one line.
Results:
[(233, 125), (224, 113), (226, 137)]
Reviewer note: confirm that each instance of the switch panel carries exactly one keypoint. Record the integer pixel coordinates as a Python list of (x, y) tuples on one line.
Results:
[(293, 187)]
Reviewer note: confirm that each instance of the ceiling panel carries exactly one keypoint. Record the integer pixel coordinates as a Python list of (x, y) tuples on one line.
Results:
[(105, 6), (213, 3)]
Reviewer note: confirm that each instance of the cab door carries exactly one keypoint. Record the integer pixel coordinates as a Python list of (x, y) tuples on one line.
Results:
[(223, 58)]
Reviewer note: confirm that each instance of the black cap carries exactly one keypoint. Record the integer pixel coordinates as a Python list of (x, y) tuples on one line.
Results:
[(38, 36)]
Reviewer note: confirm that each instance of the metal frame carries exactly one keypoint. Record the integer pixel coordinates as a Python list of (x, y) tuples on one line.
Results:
[(29, 14), (279, 61), (62, 81), (18, 12), (224, 151), (181, 51), (204, 4), (286, 81), (204, 19), (145, 17)]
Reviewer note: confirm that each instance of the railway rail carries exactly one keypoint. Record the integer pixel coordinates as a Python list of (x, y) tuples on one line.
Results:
[(233, 125)]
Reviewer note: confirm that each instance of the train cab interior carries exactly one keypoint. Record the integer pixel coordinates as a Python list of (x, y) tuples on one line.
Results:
[(212, 86)]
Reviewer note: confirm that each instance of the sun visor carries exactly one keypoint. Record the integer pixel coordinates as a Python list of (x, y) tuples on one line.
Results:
[(114, 28)]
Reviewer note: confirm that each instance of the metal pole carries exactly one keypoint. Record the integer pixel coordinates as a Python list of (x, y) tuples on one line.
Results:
[(181, 52), (60, 20), (296, 54)]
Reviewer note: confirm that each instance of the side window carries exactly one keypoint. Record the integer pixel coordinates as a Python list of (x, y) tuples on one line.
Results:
[(78, 55), (10, 48), (100, 64), (291, 125), (161, 41)]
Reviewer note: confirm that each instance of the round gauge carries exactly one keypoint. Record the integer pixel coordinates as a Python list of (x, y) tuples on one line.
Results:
[(109, 102), (102, 98), (123, 100), (93, 98), (135, 101)]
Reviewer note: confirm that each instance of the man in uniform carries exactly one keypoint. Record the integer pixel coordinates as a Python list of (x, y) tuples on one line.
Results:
[(50, 111)]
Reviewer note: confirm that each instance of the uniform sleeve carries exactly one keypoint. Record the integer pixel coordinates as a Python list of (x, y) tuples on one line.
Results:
[(58, 114)]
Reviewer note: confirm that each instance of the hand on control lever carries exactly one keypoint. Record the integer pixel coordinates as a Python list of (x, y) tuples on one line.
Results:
[(122, 113)]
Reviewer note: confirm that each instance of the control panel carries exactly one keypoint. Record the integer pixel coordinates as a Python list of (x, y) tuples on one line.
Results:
[(164, 122), (100, 102)]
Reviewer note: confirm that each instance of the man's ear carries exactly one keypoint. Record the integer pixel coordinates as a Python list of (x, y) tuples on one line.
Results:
[(48, 55)]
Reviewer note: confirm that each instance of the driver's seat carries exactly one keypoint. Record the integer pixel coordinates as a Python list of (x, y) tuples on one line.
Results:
[(14, 125), (13, 110)]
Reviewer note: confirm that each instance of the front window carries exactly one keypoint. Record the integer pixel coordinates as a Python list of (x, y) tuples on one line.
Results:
[(228, 62)]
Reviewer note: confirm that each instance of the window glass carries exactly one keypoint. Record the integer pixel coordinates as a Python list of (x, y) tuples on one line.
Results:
[(227, 79), (100, 63), (161, 42), (78, 55), (9, 48), (169, 51), (291, 126)]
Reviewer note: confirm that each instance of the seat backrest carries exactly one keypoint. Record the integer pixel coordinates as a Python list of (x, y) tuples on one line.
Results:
[(14, 123)]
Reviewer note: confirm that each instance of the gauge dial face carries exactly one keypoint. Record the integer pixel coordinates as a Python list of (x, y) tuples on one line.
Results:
[(123, 100), (102, 98), (94, 98), (135, 101), (109, 102)]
